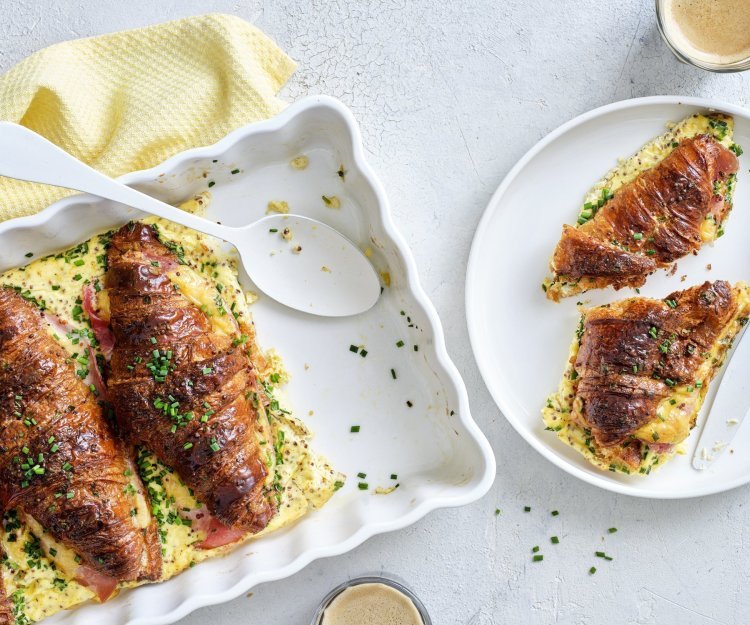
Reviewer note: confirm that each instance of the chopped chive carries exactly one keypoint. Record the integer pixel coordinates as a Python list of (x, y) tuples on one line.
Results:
[(187, 446), (638, 236), (554, 513), (612, 530), (363, 486), (535, 549), (592, 570), (416, 348), (361, 476), (235, 171), (527, 508), (554, 540), (354, 428), (29, 254), (408, 403), (211, 183), (497, 511), (538, 558), (393, 373), (399, 344), (353, 348), (153, 339), (394, 476), (363, 353)]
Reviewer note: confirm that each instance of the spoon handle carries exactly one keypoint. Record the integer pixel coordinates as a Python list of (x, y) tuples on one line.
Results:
[(25, 155)]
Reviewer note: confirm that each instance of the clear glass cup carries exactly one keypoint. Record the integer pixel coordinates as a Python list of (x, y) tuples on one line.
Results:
[(370, 579), (685, 56)]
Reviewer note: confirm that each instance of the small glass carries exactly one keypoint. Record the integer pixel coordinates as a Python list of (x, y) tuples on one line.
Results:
[(370, 579), (684, 56)]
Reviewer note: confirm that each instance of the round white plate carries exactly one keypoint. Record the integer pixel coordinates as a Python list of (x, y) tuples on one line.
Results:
[(521, 339)]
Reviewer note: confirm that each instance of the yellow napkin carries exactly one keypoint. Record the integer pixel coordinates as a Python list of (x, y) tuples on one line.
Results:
[(129, 100)]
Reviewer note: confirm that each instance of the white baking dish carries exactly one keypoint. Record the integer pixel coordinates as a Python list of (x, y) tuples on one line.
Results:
[(441, 457)]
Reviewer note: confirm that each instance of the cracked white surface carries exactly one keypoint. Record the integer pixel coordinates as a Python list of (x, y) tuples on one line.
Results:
[(449, 96)]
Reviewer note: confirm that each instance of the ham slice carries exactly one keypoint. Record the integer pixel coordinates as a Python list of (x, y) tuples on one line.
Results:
[(217, 534), (102, 585), (99, 325)]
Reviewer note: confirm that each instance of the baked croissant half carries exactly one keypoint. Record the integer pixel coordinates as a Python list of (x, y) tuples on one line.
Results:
[(61, 469), (639, 370), (667, 212), (182, 385)]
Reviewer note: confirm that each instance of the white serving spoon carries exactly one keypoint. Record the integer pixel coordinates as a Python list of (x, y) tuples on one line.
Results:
[(318, 271)]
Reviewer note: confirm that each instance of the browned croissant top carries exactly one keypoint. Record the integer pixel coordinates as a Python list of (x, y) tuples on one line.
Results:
[(59, 462), (650, 222), (633, 351), (198, 417)]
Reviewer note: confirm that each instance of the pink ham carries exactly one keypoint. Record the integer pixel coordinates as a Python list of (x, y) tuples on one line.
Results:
[(217, 534), (100, 327), (660, 448), (102, 585)]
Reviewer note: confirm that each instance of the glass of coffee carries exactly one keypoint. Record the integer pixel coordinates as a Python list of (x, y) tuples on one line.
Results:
[(372, 599), (710, 34)]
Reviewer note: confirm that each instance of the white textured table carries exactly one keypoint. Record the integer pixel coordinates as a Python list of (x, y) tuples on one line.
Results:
[(449, 95)]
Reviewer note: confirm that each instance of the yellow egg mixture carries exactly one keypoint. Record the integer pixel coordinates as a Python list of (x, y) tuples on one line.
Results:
[(676, 414), (36, 570)]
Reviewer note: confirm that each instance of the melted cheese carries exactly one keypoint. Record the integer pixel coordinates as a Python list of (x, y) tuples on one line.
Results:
[(42, 585)]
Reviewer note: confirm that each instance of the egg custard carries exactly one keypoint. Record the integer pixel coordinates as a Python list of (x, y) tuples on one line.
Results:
[(655, 207), (34, 566), (638, 372)]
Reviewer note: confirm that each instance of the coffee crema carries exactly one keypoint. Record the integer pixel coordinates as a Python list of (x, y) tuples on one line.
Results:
[(370, 604), (710, 31)]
